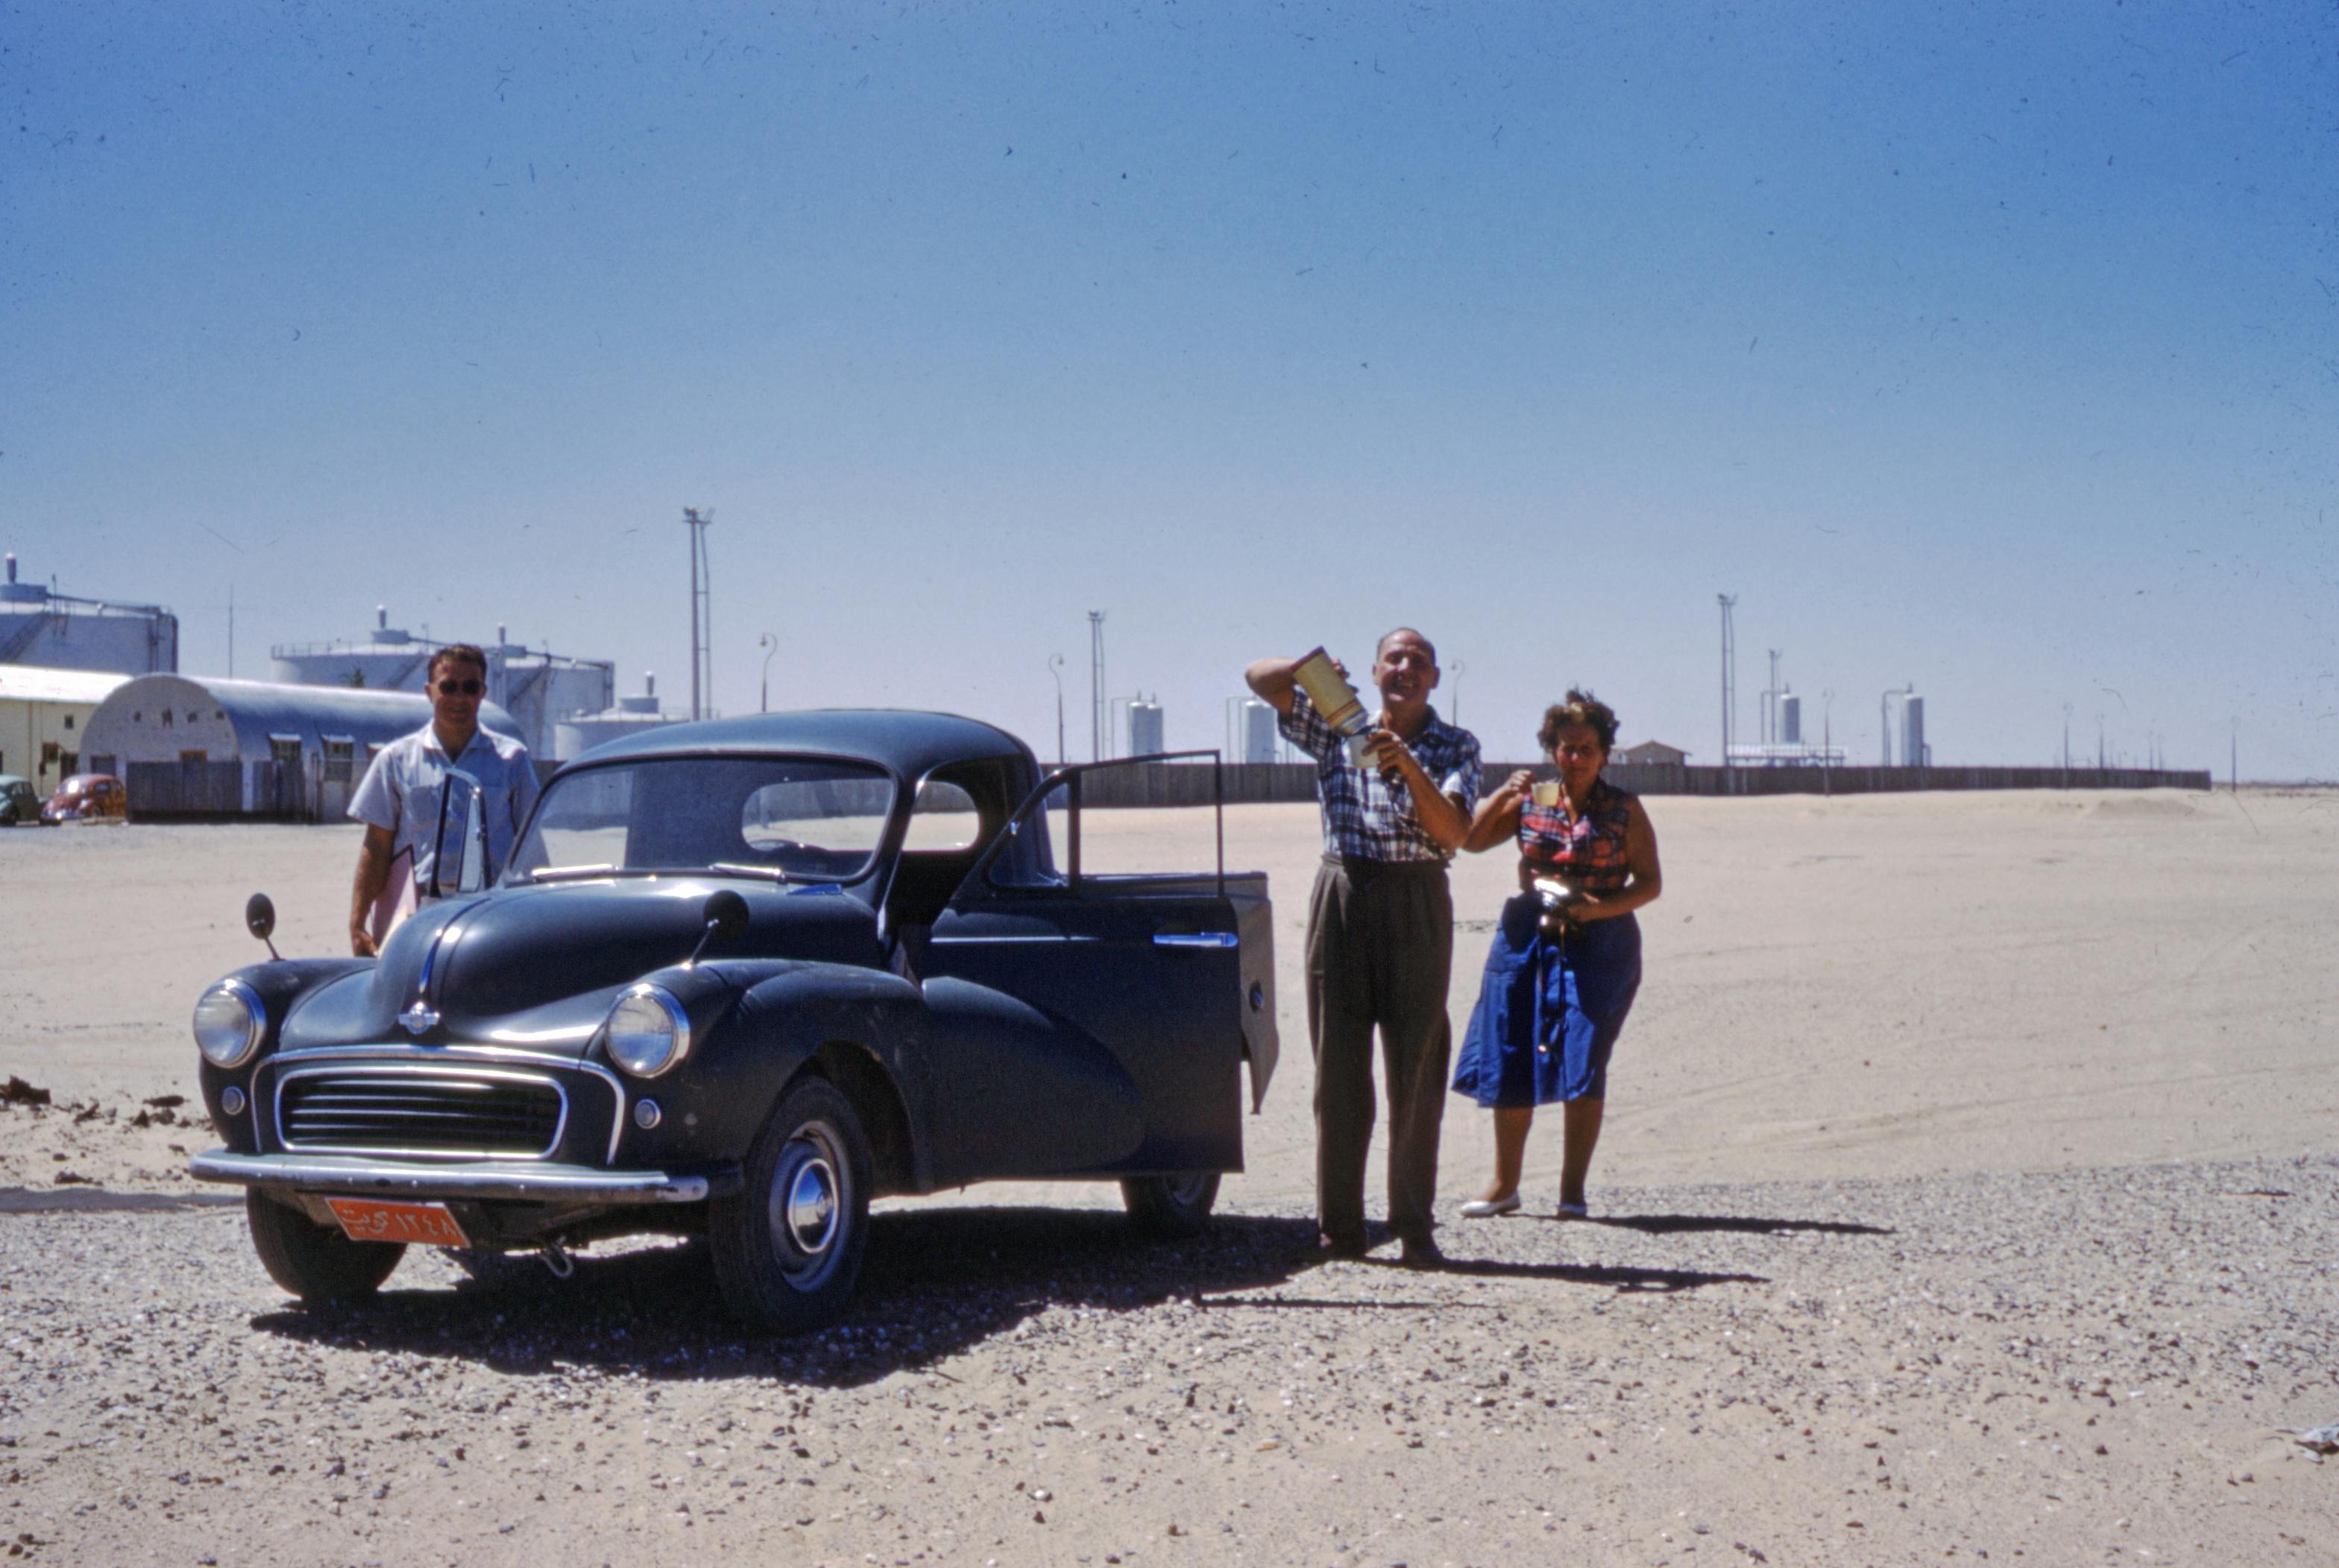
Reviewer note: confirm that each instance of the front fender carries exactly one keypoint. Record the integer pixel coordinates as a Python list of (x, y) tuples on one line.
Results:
[(282, 985), (755, 1027)]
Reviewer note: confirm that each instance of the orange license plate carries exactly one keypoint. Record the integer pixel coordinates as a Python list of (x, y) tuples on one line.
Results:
[(424, 1224)]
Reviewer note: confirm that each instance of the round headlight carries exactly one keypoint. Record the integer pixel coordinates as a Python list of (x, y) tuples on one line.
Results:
[(229, 1022), (648, 1031)]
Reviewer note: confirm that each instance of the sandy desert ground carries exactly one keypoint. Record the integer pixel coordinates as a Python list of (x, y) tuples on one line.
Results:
[(1967, 1193)]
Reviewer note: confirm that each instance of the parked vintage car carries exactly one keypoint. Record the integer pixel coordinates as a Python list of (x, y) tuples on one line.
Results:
[(742, 976), (87, 798), (19, 801)]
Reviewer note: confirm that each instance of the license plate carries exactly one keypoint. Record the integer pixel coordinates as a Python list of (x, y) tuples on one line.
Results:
[(424, 1224)]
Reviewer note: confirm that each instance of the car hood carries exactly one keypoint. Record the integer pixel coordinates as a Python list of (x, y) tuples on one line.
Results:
[(537, 966)]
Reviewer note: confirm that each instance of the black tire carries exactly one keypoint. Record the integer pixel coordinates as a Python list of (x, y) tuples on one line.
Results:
[(787, 1250), (1170, 1207), (315, 1262)]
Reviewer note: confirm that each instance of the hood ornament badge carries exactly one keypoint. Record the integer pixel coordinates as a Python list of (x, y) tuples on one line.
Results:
[(419, 1019)]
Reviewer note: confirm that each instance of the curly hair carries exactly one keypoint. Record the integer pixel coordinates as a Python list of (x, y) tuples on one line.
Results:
[(1580, 708)]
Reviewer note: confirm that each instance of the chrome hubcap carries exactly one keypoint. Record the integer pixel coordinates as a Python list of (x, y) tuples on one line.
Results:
[(811, 1206)]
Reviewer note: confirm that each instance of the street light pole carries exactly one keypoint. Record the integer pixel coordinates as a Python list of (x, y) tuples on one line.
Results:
[(770, 644), (1458, 667), (1055, 672)]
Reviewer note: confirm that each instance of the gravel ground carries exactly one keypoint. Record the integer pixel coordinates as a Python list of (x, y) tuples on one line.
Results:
[(2075, 1366)]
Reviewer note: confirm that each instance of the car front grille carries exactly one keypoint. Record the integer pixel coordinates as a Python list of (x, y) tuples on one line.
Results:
[(427, 1111)]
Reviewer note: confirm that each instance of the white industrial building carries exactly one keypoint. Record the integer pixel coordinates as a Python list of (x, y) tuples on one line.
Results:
[(539, 690), (191, 747), (44, 716), (39, 625)]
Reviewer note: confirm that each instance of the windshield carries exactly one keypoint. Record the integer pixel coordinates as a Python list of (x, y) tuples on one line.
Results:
[(797, 818)]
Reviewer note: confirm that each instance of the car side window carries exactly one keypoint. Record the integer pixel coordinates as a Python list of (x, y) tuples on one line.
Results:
[(943, 819)]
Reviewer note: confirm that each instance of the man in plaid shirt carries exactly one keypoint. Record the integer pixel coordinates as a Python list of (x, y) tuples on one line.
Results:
[(1380, 935)]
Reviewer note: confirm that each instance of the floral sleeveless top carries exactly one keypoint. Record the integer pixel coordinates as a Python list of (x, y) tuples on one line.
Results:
[(1589, 851)]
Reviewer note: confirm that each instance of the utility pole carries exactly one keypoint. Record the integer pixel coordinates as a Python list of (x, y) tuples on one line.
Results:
[(1055, 672), (1771, 702), (1097, 716), (1728, 602), (702, 611), (231, 631), (2234, 760), (2101, 763)]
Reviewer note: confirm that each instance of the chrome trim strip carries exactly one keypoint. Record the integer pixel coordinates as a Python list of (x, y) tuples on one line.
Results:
[(423, 1069), (1196, 938), (399, 1051), (484, 1179), (545, 1036), (971, 941)]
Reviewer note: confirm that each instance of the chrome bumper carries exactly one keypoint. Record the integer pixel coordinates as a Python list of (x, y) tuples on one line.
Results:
[(480, 1179)]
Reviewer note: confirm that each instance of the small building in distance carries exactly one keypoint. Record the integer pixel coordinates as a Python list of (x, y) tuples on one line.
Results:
[(1651, 753), (539, 689), (196, 748), (44, 714), (57, 631)]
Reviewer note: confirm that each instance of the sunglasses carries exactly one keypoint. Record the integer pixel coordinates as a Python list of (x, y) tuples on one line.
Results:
[(461, 688)]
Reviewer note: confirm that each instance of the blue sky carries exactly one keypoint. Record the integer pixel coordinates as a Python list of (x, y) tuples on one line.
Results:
[(1992, 349)]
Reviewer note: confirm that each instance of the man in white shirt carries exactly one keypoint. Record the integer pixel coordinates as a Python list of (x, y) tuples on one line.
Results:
[(419, 827)]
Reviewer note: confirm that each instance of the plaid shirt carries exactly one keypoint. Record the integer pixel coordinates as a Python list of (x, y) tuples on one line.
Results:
[(1365, 816)]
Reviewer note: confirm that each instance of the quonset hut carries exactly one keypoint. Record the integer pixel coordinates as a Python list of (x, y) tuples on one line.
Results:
[(196, 748)]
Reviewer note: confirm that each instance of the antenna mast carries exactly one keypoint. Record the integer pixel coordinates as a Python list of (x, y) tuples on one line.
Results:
[(1097, 716), (702, 611), (1729, 602)]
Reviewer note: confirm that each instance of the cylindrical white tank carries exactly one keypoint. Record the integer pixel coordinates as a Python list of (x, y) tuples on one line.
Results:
[(1258, 731), (1790, 719), (1912, 731), (1144, 728)]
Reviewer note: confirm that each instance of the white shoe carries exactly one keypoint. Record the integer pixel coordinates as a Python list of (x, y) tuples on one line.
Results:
[(1490, 1208)]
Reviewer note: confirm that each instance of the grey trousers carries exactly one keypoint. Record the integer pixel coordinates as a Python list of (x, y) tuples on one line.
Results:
[(1380, 948)]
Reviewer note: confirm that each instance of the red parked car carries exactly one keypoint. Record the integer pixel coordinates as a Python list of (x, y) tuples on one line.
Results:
[(88, 797)]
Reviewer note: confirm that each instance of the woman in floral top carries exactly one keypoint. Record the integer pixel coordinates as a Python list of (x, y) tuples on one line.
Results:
[(1559, 980)]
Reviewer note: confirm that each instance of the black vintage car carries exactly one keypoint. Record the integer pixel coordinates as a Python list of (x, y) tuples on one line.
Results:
[(740, 977)]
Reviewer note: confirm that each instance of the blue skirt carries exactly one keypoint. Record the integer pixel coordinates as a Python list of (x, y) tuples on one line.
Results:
[(1549, 1011)]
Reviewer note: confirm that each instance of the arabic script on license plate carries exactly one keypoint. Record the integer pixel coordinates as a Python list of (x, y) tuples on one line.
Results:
[(371, 1219)]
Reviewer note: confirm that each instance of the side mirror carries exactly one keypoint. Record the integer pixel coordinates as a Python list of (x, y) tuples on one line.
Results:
[(725, 914), (260, 920)]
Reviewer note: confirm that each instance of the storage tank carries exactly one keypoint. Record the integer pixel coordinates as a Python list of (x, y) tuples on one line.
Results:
[(1259, 732), (538, 689), (59, 632), (1790, 719), (1144, 728), (1913, 752), (580, 733)]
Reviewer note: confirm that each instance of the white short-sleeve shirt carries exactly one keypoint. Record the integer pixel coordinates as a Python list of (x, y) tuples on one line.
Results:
[(405, 792)]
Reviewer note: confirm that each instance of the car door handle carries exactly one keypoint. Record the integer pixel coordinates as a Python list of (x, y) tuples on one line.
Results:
[(1196, 938)]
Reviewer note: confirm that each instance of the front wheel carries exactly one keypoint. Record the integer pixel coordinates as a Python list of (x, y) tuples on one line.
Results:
[(316, 1263), (787, 1250), (1170, 1206)]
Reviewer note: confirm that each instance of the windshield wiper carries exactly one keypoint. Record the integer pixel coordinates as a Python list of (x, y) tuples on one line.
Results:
[(768, 872)]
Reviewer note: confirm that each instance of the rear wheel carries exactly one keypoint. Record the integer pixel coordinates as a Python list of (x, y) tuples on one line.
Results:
[(1170, 1206), (788, 1249), (315, 1262)]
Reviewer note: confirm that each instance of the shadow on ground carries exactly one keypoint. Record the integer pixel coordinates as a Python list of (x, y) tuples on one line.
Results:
[(1746, 1225), (936, 1283)]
